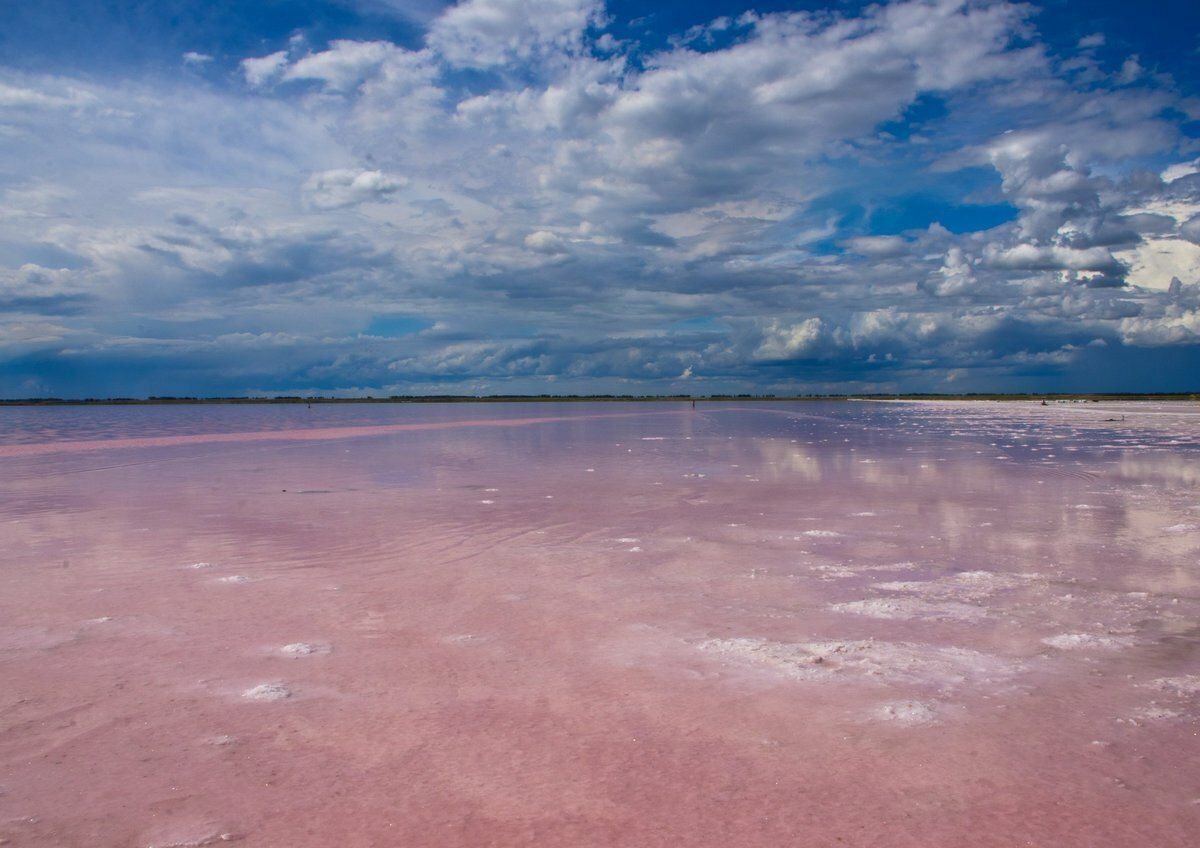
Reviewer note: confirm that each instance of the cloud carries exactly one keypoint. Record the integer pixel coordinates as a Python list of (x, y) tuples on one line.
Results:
[(785, 341), (344, 65), (1190, 229), (878, 246), (777, 201), (259, 71), (545, 242), (340, 188), (1027, 257), (487, 33)]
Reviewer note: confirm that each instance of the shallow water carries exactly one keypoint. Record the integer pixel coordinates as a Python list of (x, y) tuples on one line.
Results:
[(891, 624)]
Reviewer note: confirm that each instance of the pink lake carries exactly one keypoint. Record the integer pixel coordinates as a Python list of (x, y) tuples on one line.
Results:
[(772, 624)]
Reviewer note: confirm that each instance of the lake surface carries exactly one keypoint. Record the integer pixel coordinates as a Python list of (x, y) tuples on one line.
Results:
[(583, 624)]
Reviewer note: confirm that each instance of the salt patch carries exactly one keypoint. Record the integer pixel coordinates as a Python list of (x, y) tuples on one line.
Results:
[(1086, 641), (267, 692), (863, 514), (233, 578), (485, 501), (200, 565), (906, 712), (1186, 685), (822, 534), (628, 540), (305, 649), (1155, 713), (189, 837), (966, 585), (1181, 528), (463, 639), (833, 572), (884, 662), (910, 608)]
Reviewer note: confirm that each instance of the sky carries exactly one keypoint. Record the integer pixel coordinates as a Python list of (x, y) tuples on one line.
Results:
[(397, 197)]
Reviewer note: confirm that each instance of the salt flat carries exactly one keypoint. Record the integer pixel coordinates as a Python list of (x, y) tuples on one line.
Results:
[(893, 624)]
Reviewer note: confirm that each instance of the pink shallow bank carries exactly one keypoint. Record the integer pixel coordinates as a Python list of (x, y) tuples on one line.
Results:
[(575, 625)]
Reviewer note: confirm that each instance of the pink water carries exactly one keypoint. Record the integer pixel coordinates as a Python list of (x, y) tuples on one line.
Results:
[(821, 624)]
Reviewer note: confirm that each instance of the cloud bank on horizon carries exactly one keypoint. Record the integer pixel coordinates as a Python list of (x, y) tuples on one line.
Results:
[(559, 196)]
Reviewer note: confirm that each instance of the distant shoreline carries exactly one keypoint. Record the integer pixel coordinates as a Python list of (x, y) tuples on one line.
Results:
[(297, 399)]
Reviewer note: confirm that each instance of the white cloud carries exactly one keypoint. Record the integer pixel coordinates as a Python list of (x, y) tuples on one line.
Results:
[(57, 95), (264, 69), (545, 242), (344, 187), (345, 64), (878, 246), (781, 340), (1028, 257), (956, 275), (487, 33)]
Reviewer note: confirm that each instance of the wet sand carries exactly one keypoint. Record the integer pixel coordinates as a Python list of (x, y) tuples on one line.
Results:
[(843, 624)]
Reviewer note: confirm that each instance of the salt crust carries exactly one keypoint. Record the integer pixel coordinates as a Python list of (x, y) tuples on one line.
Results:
[(867, 659), (1188, 684), (267, 692), (1086, 641), (908, 608), (906, 712), (304, 649), (182, 839)]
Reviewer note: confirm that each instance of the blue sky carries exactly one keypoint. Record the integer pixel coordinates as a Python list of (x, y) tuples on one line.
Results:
[(566, 196)]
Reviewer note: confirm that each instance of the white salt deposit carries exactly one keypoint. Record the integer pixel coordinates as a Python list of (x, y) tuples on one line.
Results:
[(822, 534), (1154, 713), (1188, 684), (1181, 528), (911, 608), (833, 572), (185, 837), (866, 660), (267, 692), (233, 578), (1086, 641), (305, 649), (906, 712), (966, 585)]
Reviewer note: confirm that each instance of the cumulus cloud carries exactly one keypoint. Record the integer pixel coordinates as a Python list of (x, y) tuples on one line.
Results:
[(878, 246), (261, 70), (344, 187), (781, 340), (344, 65), (487, 33), (545, 242), (1190, 229), (1028, 257)]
